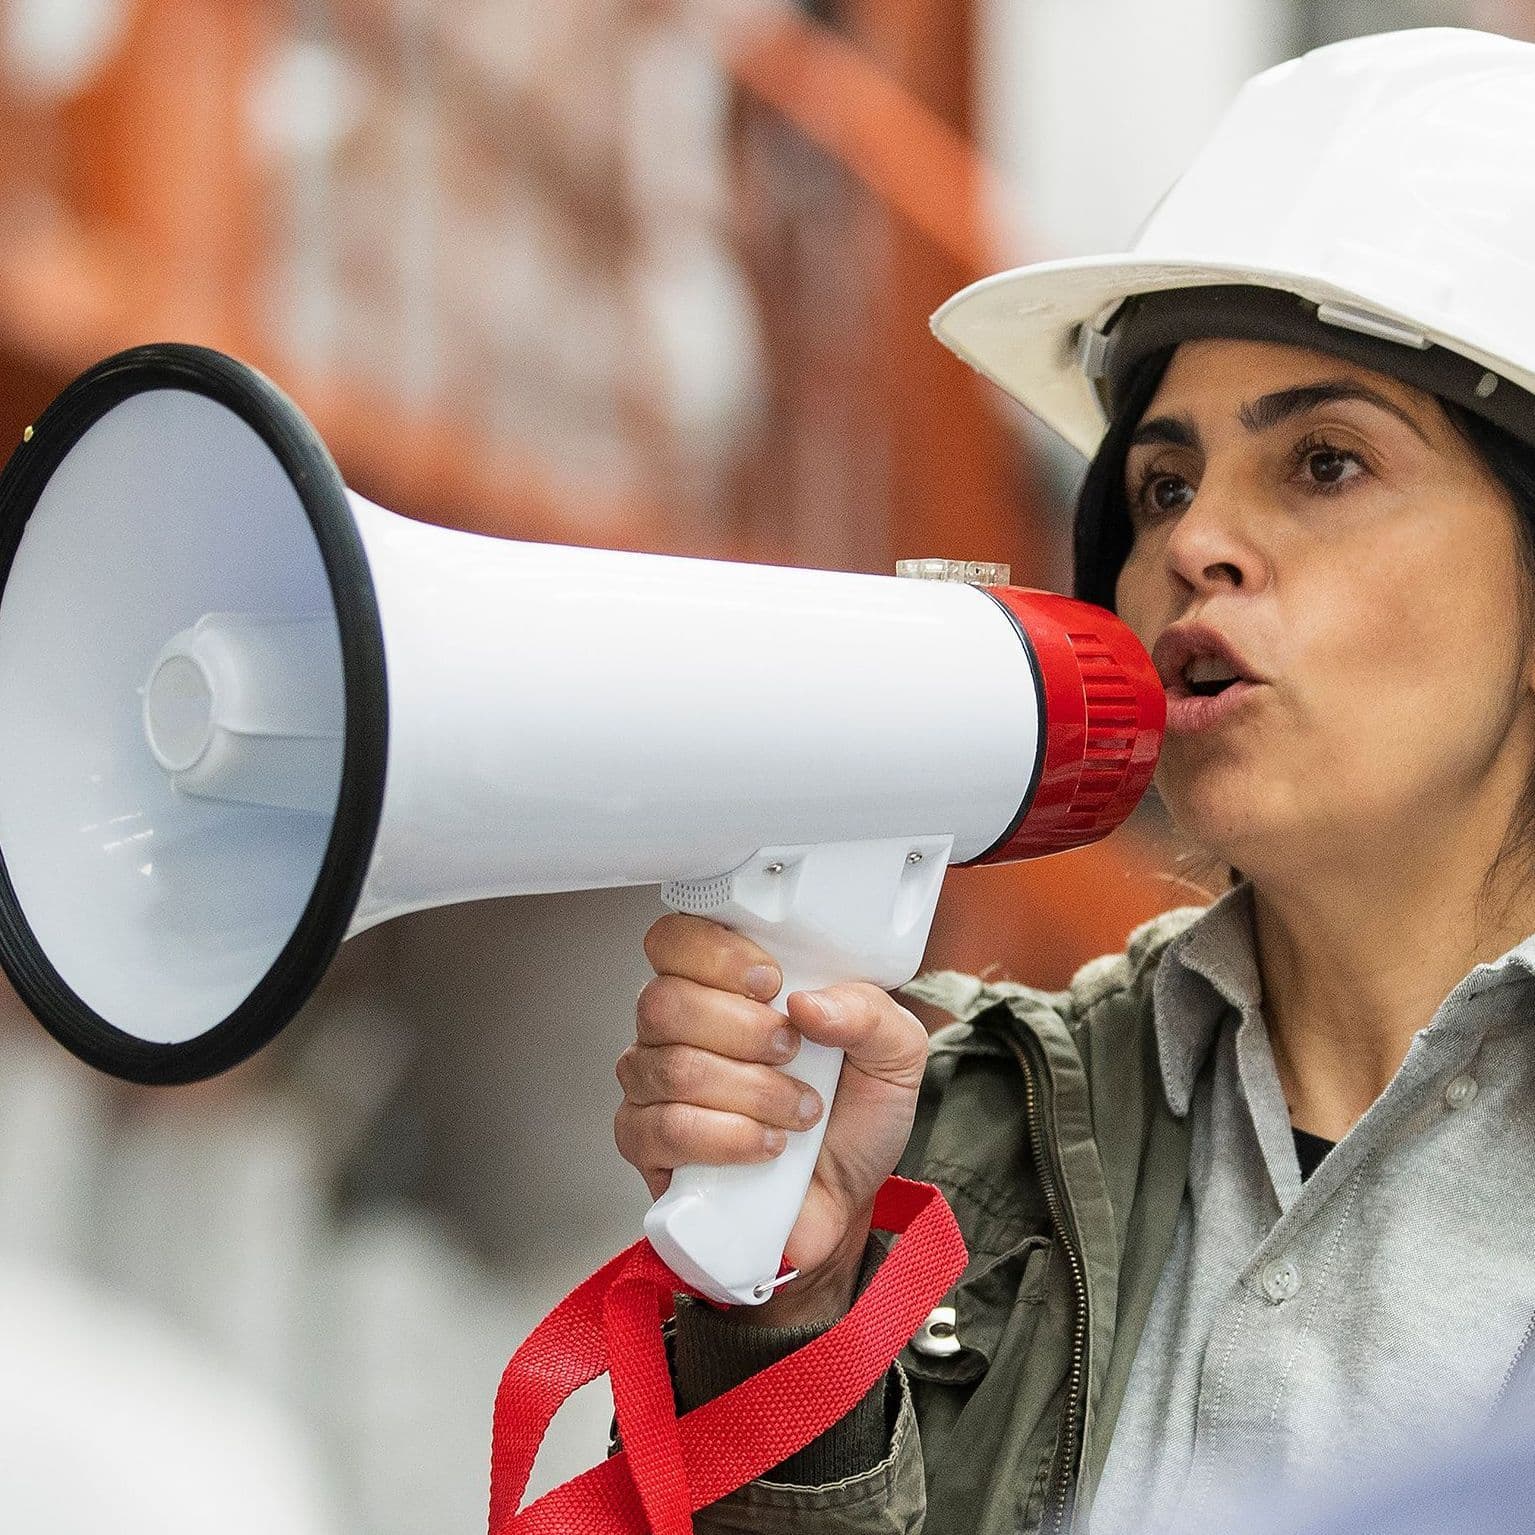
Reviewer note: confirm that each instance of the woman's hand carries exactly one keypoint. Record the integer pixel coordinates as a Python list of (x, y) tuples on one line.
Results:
[(700, 1085)]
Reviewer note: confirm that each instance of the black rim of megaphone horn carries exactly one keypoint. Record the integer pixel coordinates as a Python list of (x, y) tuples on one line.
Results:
[(296, 971)]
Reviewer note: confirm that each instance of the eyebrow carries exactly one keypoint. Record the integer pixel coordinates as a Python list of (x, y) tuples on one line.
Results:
[(1271, 410)]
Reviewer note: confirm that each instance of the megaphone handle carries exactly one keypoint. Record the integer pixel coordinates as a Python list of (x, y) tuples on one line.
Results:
[(828, 912), (723, 1229)]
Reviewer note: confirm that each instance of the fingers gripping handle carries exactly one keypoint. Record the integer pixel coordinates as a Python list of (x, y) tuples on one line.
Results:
[(851, 911), (723, 1229)]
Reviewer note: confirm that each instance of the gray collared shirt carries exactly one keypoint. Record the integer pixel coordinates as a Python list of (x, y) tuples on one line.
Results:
[(1303, 1333)]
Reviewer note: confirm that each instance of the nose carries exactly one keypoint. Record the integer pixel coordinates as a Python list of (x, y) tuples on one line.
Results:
[(1213, 544)]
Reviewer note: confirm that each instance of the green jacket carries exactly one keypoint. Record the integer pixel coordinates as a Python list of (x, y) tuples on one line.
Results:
[(1043, 1120)]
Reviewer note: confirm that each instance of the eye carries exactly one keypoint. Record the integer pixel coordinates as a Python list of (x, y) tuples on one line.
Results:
[(1158, 493), (1326, 467)]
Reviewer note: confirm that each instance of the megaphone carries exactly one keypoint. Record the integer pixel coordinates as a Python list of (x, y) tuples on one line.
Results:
[(249, 714)]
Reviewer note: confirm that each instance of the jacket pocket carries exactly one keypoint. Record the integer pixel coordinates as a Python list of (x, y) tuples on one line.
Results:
[(998, 1293)]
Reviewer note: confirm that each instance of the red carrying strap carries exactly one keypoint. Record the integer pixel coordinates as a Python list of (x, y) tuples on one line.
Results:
[(668, 1466)]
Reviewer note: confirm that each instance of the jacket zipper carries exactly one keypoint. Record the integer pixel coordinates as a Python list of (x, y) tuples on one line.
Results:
[(1512, 1373), (1056, 1497)]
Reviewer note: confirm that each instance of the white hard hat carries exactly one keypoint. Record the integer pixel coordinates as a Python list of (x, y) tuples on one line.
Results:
[(1389, 182)]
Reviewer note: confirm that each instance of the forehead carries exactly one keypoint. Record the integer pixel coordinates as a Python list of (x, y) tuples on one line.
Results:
[(1216, 377)]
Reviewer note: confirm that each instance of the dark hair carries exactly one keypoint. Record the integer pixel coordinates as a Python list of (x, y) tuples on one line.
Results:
[(1101, 534), (1102, 537), (1512, 463)]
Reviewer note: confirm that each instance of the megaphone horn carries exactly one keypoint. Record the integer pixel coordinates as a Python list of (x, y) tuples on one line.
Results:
[(159, 933), (248, 713)]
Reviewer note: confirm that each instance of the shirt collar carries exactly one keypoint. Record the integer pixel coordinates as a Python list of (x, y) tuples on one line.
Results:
[(1209, 967), (1212, 966)]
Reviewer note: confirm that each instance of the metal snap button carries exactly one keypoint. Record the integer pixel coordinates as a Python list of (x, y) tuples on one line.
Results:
[(936, 1337), (1461, 1091), (1281, 1280)]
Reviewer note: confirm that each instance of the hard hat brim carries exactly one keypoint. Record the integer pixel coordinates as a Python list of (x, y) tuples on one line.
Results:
[(1023, 328)]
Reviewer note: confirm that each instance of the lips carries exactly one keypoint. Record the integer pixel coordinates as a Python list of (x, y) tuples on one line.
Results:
[(1193, 713), (1181, 644), (1187, 709)]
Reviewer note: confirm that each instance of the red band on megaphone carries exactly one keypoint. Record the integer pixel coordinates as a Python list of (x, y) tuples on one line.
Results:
[(669, 1467), (1103, 715)]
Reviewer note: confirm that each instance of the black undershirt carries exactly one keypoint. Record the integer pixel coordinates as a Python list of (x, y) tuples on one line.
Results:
[(1310, 1149)]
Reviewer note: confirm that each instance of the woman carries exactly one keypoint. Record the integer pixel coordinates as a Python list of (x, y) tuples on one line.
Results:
[(1246, 1205)]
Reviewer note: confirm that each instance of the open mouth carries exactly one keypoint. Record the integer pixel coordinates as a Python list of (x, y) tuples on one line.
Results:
[(1197, 662), (1205, 676), (1210, 689)]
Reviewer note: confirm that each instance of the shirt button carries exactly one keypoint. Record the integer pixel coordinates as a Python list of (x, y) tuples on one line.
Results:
[(1281, 1279), (1460, 1092)]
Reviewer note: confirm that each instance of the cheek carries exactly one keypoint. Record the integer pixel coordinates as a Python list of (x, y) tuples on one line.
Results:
[(1436, 614), (1407, 665), (1134, 599)]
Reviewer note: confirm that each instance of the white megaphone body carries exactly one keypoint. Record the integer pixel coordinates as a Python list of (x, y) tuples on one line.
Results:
[(248, 714)]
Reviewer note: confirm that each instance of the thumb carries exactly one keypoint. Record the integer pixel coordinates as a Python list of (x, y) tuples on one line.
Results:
[(879, 1036)]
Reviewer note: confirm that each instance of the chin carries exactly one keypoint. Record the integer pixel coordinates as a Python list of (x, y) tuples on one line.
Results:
[(1235, 820)]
